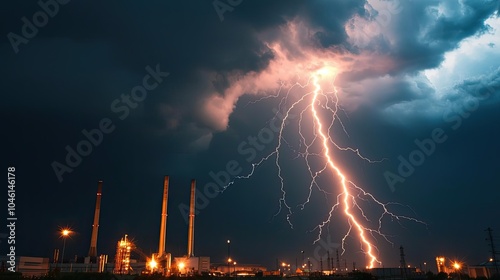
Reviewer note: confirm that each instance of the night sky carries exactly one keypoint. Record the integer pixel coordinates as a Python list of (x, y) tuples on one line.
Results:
[(195, 90)]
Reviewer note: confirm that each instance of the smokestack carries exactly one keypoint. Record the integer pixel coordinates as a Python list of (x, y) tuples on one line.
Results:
[(95, 225), (190, 252), (163, 223)]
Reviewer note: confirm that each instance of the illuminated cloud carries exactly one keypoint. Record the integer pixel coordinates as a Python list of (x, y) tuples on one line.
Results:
[(390, 56)]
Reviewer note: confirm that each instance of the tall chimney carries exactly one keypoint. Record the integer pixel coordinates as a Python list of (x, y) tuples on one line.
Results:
[(95, 225), (190, 252), (163, 223)]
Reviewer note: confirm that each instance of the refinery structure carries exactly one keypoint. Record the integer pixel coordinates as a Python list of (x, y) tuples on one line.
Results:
[(161, 261), (122, 263)]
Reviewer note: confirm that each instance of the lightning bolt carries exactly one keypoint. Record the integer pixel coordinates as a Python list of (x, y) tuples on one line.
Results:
[(349, 194), (347, 197)]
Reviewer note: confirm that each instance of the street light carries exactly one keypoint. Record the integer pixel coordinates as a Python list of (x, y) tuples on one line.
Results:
[(234, 271), (65, 232), (228, 257)]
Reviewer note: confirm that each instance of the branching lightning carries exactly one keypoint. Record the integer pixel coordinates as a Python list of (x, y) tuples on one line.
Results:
[(314, 104)]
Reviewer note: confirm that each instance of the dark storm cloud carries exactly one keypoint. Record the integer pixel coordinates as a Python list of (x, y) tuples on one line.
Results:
[(484, 87), (109, 46), (425, 30), (65, 78), (415, 35), (408, 37), (115, 43), (331, 18)]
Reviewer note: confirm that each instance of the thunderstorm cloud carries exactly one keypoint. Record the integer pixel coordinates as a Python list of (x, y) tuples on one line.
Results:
[(403, 68)]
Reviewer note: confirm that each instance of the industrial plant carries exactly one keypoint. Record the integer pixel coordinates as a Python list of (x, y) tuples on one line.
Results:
[(159, 262), (122, 263), (162, 263)]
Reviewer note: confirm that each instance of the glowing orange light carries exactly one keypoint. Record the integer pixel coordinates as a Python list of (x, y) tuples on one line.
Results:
[(153, 264), (65, 232)]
